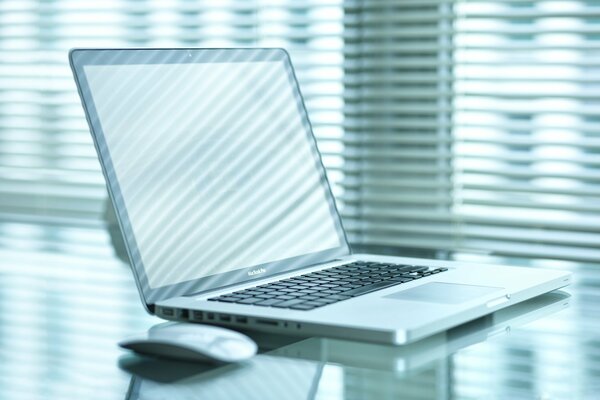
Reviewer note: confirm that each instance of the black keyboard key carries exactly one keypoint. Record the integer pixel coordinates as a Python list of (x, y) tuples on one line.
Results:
[(279, 293), (316, 303), (420, 268), (302, 307), (306, 291), (327, 300), (288, 303), (369, 288), (350, 287), (277, 287), (400, 280), (240, 295), (251, 292), (225, 299), (405, 268), (308, 297), (398, 274), (268, 302), (265, 296), (308, 278), (337, 297), (285, 297), (249, 300)]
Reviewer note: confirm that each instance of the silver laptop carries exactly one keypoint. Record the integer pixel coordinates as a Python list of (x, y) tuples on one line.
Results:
[(227, 214)]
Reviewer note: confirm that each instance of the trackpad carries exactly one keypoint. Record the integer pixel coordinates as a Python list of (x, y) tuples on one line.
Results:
[(437, 292)]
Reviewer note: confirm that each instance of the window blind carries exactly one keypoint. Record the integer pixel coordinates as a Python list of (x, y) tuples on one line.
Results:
[(398, 109), (473, 126), (444, 125), (48, 166)]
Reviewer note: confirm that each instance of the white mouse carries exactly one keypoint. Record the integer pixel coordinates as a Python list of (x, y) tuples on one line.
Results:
[(192, 342)]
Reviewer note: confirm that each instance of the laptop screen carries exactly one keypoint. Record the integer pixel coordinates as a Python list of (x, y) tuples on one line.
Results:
[(215, 163)]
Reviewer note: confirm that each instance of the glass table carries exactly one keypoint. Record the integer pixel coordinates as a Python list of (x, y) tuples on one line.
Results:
[(66, 301)]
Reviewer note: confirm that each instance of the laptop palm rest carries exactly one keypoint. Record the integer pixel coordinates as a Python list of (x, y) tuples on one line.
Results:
[(437, 292)]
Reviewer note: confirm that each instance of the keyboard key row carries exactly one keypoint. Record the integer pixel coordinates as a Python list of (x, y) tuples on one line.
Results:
[(317, 289)]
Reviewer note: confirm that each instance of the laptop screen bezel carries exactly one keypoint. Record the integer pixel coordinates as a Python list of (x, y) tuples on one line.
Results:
[(80, 58)]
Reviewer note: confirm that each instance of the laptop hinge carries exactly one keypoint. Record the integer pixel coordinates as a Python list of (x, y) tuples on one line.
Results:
[(207, 292)]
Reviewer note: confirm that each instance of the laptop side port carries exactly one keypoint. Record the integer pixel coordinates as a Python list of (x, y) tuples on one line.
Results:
[(183, 314), (167, 312), (197, 316), (241, 320), (225, 318), (269, 322)]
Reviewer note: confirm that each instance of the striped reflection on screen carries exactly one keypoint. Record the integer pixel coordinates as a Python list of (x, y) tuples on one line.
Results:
[(215, 165)]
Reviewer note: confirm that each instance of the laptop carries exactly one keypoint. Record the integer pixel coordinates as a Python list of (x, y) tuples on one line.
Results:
[(227, 214)]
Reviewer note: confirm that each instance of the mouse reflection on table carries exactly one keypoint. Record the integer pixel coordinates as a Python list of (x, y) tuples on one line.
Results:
[(260, 378), (192, 342)]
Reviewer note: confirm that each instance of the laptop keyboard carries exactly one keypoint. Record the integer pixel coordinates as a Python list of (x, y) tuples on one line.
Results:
[(328, 286)]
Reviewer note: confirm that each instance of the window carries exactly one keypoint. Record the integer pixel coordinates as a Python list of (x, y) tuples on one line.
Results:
[(462, 125), (526, 161), (473, 126)]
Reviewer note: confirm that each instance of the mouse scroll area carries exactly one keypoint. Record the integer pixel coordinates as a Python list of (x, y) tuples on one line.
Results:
[(446, 293)]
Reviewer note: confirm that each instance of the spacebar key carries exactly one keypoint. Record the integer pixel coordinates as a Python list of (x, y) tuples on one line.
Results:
[(369, 288)]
